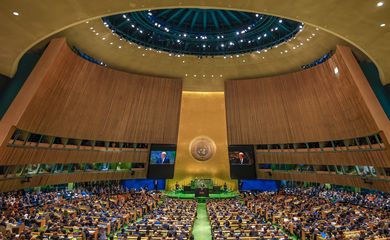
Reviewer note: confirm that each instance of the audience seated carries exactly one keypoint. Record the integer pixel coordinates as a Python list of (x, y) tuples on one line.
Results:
[(83, 213), (113, 212), (172, 219), (231, 219), (316, 213)]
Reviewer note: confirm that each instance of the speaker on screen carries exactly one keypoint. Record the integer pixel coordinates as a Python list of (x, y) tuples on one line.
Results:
[(242, 162), (162, 159)]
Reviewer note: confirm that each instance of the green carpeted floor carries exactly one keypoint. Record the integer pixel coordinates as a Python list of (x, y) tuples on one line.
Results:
[(202, 228)]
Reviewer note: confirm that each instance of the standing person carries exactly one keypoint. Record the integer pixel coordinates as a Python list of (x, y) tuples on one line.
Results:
[(155, 184)]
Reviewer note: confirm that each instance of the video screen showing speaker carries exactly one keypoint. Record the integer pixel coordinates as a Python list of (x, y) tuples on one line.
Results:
[(161, 161), (242, 162)]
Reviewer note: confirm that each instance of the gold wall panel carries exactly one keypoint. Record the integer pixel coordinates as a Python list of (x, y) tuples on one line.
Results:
[(202, 114)]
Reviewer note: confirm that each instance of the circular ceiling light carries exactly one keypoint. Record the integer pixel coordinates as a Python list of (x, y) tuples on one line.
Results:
[(202, 32)]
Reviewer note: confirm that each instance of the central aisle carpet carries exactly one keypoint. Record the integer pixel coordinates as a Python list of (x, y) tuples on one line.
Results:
[(202, 228)]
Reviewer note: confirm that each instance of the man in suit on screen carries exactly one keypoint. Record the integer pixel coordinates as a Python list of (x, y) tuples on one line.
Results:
[(242, 159), (163, 159)]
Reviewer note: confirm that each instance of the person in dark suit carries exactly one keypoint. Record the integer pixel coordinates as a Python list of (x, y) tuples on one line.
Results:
[(155, 184), (163, 159), (242, 159)]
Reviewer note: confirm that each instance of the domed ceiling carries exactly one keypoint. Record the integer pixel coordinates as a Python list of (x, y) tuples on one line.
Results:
[(202, 32), (80, 23)]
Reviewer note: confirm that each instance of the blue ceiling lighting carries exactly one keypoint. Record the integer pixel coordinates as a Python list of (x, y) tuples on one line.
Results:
[(202, 32)]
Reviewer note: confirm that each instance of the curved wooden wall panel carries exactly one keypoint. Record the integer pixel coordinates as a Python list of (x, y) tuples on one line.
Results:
[(311, 105), (378, 158), (80, 99), (20, 156), (345, 180), (55, 179)]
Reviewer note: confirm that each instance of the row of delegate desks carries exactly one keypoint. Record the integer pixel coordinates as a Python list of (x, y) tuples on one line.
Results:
[(76, 231), (235, 227), (286, 219)]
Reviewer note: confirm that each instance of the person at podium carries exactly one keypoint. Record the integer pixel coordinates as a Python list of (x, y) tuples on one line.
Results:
[(163, 159)]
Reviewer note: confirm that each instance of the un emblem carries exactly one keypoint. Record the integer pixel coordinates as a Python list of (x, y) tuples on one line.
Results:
[(202, 148)]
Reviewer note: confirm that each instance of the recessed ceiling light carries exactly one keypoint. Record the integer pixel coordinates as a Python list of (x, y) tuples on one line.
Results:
[(382, 25), (379, 4), (111, 43), (15, 13), (119, 46), (336, 70)]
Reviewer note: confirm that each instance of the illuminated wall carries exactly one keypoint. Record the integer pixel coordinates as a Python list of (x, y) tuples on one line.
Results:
[(202, 114)]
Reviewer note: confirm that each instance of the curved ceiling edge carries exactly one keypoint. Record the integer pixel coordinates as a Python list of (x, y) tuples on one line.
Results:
[(139, 5)]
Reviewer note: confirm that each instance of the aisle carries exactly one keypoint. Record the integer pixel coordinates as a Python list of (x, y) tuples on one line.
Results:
[(202, 228)]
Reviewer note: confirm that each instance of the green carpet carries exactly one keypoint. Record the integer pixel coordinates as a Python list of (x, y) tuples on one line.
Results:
[(202, 228)]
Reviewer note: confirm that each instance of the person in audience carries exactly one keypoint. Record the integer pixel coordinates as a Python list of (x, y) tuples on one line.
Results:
[(84, 212), (232, 219), (318, 213), (114, 212), (173, 218)]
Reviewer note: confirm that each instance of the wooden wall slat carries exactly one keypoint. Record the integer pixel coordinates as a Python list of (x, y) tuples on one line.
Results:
[(366, 158), (55, 179), (357, 181), (20, 156), (310, 105), (80, 99)]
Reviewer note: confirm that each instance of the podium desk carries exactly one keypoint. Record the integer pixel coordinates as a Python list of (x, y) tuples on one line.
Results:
[(201, 192)]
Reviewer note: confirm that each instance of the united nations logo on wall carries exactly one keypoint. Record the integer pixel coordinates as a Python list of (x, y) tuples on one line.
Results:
[(202, 148)]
